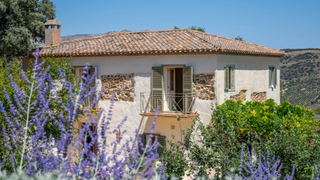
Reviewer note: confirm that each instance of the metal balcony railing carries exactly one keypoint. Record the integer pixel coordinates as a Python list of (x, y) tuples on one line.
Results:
[(89, 100), (181, 102)]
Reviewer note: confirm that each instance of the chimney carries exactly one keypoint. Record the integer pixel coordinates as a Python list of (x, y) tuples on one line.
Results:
[(52, 32)]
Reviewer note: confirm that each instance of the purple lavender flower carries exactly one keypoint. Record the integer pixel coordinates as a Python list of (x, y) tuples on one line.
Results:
[(263, 169), (77, 153)]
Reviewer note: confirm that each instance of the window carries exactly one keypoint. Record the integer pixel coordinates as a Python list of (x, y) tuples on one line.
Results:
[(229, 78), (161, 140), (179, 80), (78, 72), (272, 76)]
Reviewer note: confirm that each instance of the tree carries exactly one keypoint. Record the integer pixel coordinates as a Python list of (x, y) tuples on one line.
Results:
[(193, 28), (21, 26), (317, 110), (283, 98), (239, 38)]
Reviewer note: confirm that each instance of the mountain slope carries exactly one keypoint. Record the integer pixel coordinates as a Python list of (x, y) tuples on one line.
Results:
[(300, 76)]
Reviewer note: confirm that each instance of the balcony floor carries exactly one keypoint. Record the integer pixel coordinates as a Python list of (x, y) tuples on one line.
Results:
[(171, 114)]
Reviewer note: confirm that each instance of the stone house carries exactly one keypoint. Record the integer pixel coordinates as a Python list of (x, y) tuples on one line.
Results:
[(178, 69)]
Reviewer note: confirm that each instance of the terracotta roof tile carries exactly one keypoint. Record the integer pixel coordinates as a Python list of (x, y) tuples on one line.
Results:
[(180, 41)]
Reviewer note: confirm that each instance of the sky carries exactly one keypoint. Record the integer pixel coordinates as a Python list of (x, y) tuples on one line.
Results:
[(273, 23)]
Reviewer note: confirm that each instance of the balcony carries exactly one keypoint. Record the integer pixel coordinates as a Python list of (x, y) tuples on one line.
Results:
[(89, 100), (171, 105)]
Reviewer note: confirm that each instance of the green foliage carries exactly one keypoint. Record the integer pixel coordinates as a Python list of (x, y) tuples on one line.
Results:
[(299, 76), (176, 162), (239, 38), (283, 98), (265, 118), (317, 110), (20, 22), (5, 84), (288, 132), (193, 28), (20, 175), (198, 28)]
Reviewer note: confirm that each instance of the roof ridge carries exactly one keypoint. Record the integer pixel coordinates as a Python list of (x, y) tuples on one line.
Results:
[(192, 33), (115, 34), (157, 42), (235, 40)]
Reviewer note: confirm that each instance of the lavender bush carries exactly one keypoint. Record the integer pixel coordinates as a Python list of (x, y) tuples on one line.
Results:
[(35, 153), (264, 168)]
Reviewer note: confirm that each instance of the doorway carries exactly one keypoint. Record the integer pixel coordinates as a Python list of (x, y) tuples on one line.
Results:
[(174, 88)]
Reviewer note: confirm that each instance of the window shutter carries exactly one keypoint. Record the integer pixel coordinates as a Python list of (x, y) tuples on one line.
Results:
[(91, 73), (187, 88), (233, 78), (275, 77), (162, 145), (156, 92), (270, 76), (73, 70), (187, 79), (226, 78)]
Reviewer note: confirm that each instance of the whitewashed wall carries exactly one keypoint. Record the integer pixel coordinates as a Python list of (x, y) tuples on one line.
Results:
[(141, 66), (251, 74)]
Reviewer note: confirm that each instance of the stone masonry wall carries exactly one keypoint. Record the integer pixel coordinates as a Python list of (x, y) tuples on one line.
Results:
[(240, 96), (259, 97), (203, 85), (120, 84)]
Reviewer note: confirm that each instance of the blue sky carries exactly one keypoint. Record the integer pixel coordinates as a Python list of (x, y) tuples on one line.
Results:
[(273, 23)]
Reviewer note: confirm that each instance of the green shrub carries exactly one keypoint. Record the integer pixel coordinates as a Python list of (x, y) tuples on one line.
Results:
[(288, 132)]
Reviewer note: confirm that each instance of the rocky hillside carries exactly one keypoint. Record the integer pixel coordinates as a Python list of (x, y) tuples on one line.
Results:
[(300, 76)]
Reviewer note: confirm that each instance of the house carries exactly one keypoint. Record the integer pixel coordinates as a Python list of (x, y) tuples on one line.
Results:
[(178, 70)]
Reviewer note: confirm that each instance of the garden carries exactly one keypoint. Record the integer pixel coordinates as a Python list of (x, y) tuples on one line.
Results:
[(244, 140)]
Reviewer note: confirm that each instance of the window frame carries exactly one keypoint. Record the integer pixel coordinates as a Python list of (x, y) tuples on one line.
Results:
[(230, 76), (156, 138), (273, 76)]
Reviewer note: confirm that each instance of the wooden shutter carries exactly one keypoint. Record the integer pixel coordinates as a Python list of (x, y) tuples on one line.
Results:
[(156, 92), (73, 70), (162, 144), (275, 77), (226, 78), (91, 73), (270, 76), (187, 88), (233, 78)]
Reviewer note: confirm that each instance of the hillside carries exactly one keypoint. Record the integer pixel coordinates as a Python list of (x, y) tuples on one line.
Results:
[(300, 76), (81, 36)]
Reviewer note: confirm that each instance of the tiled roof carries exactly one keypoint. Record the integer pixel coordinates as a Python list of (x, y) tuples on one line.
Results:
[(181, 41)]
